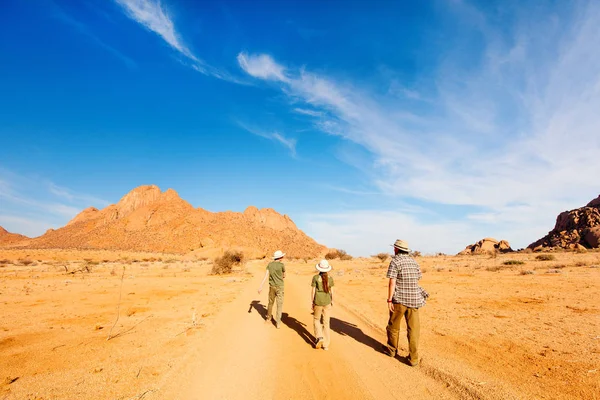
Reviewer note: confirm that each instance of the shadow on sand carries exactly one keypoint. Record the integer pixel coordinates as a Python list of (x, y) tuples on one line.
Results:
[(337, 325)]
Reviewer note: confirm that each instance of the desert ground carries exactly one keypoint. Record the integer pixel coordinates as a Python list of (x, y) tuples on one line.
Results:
[(122, 325)]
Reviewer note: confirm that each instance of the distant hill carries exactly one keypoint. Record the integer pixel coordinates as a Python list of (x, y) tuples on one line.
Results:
[(574, 229), (7, 238), (147, 219)]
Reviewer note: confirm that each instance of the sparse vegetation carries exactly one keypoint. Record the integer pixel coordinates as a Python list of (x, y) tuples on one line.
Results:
[(415, 253), (580, 264), (494, 268), (338, 253), (526, 272), (6, 261), (225, 263), (545, 257), (381, 256), (513, 262), (25, 262)]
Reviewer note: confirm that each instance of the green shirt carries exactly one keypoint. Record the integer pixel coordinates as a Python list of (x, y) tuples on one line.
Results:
[(321, 298), (276, 270)]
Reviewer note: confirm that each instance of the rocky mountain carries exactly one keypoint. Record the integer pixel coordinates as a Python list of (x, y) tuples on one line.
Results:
[(7, 238), (487, 246), (147, 219), (574, 229)]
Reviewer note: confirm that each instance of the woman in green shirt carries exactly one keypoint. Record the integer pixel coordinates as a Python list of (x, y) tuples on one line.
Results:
[(322, 301)]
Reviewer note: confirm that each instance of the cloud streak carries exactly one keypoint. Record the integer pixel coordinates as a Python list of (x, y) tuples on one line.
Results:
[(275, 136), (155, 18)]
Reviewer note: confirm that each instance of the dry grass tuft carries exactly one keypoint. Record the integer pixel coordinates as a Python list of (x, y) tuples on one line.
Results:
[(526, 272), (513, 262), (225, 263), (545, 257), (338, 253), (381, 256)]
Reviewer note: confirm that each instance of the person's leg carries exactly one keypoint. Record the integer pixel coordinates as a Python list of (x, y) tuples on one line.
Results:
[(393, 329), (272, 294), (318, 313), (326, 328), (279, 305), (413, 330)]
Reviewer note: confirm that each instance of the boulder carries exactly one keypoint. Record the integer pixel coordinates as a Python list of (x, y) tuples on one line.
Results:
[(574, 229), (487, 246)]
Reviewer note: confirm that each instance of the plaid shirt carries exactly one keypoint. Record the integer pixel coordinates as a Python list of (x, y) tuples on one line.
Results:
[(407, 273)]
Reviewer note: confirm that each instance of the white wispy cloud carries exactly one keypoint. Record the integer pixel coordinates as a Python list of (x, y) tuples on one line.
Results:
[(311, 113), (514, 135), (289, 143), (261, 66), (153, 16)]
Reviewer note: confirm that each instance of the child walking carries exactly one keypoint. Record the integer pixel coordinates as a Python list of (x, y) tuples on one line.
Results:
[(322, 301)]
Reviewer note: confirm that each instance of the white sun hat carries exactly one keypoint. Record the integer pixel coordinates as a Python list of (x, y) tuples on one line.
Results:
[(278, 254), (323, 266)]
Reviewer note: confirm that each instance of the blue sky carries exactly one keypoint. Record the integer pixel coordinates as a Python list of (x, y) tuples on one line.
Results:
[(439, 122)]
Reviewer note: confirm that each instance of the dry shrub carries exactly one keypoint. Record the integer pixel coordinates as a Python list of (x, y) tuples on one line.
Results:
[(494, 268), (338, 253), (526, 272), (580, 264), (381, 256), (513, 262), (225, 263), (25, 262), (6, 261), (415, 253), (545, 257)]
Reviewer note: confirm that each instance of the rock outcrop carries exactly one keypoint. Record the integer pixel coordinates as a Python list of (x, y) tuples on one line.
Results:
[(7, 238), (574, 229), (487, 246), (147, 219)]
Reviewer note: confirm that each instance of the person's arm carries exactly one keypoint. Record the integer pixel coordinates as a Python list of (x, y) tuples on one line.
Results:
[(391, 290), (312, 297), (331, 292), (260, 288)]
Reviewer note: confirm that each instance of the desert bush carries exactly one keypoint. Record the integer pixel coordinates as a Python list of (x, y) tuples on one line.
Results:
[(559, 266), (580, 264), (6, 261), (513, 262), (545, 257), (25, 262), (338, 253), (415, 253), (169, 260), (381, 256), (554, 271), (92, 262), (526, 272), (494, 268), (225, 263)]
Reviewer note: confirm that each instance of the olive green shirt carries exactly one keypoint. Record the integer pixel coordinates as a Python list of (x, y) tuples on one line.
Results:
[(276, 270), (321, 298)]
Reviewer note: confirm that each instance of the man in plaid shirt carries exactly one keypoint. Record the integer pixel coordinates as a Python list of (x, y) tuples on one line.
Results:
[(405, 297)]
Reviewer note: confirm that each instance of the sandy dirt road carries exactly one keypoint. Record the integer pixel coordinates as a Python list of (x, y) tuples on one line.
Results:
[(242, 357)]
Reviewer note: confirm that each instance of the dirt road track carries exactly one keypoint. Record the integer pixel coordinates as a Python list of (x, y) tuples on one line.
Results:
[(244, 358)]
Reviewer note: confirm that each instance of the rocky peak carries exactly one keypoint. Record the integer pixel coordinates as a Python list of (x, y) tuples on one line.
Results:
[(487, 246), (138, 197), (269, 218), (574, 229)]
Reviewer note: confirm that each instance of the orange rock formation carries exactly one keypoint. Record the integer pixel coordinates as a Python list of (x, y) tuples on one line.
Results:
[(147, 219)]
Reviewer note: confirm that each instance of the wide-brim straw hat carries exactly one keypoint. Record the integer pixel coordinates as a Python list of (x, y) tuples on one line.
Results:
[(323, 266), (401, 245), (278, 254)]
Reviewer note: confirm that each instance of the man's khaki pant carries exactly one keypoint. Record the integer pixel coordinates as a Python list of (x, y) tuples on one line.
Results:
[(275, 292), (322, 314), (412, 330)]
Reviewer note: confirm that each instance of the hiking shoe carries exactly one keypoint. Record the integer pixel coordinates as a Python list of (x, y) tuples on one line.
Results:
[(319, 343), (278, 325), (325, 348)]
